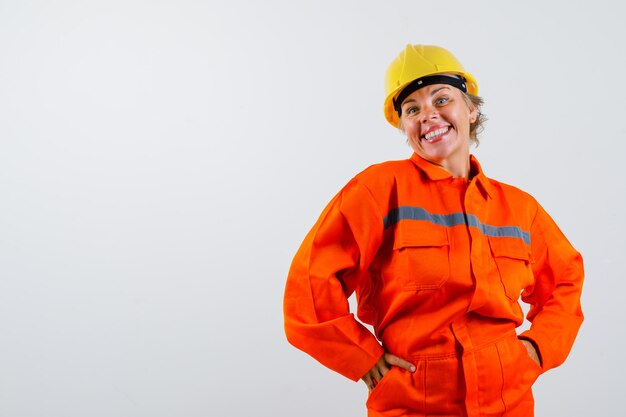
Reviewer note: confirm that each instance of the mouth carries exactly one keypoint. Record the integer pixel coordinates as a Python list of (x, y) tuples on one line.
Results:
[(436, 134)]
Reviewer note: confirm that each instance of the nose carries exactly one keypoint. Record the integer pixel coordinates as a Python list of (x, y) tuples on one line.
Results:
[(429, 114)]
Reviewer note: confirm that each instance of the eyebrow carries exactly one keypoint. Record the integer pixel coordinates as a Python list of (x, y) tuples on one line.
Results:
[(432, 93)]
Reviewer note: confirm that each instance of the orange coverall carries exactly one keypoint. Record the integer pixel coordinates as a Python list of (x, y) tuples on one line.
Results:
[(438, 265)]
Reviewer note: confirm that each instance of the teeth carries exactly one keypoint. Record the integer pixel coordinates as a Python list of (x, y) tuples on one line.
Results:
[(431, 135)]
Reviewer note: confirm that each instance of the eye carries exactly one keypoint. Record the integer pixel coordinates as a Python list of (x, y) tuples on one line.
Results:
[(442, 100), (412, 110)]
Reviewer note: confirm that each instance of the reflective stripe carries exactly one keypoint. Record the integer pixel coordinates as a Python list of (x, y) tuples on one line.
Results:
[(453, 219)]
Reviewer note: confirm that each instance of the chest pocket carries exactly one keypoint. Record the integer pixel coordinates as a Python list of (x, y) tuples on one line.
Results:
[(513, 262), (421, 253)]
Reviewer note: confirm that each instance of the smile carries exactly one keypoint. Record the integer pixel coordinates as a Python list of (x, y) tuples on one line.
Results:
[(435, 134)]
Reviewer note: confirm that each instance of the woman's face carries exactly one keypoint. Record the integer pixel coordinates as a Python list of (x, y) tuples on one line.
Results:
[(436, 120)]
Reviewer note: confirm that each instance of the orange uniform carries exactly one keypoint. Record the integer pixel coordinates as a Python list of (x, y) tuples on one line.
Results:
[(438, 265)]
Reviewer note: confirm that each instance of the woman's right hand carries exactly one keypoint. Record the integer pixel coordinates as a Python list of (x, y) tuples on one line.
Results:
[(382, 367)]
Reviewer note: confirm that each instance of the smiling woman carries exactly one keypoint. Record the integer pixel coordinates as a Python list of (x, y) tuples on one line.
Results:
[(439, 256), (475, 127), (437, 121)]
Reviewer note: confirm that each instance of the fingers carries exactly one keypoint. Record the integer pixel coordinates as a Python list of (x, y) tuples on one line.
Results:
[(399, 362), (378, 371), (532, 352), (381, 367), (374, 375), (368, 382)]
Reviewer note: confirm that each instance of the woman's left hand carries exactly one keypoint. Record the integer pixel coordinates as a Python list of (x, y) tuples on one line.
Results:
[(532, 352)]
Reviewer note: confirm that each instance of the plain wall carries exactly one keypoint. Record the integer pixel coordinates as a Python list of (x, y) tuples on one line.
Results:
[(161, 161)]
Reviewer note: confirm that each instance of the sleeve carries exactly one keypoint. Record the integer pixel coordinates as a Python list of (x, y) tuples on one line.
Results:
[(331, 262), (555, 310)]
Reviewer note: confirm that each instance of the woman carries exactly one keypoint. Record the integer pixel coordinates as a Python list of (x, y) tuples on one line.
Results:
[(439, 256)]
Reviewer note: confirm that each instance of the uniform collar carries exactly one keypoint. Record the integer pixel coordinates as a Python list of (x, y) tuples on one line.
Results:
[(436, 173), (480, 177)]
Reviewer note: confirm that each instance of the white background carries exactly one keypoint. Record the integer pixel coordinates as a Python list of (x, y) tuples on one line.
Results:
[(161, 161)]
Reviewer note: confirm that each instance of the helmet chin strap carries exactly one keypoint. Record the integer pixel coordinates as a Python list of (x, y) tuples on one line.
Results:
[(453, 80)]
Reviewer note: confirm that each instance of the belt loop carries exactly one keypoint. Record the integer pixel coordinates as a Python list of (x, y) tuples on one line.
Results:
[(470, 371)]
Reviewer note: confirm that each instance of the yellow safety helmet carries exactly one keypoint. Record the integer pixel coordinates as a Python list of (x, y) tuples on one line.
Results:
[(419, 61)]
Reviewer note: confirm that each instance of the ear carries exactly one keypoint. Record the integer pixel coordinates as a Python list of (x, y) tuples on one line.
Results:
[(473, 114)]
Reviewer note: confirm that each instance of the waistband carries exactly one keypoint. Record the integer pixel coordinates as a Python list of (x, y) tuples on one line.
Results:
[(469, 334)]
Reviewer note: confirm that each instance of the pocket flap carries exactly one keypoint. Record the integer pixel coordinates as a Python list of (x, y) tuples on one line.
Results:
[(509, 247), (418, 233)]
